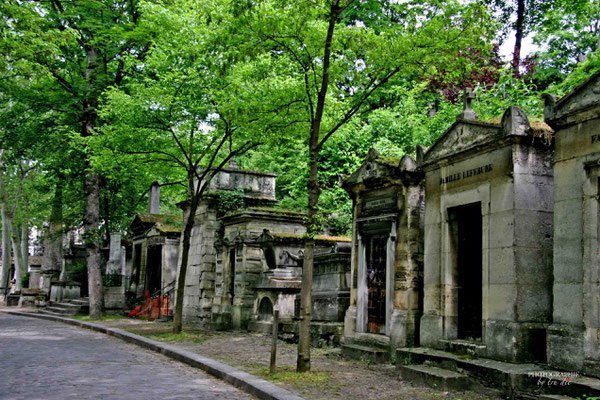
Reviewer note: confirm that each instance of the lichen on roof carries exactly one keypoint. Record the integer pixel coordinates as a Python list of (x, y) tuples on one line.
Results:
[(319, 238), (174, 221), (271, 210), (168, 228)]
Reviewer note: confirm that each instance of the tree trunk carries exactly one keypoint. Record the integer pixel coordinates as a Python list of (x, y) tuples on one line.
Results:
[(516, 62), (312, 223), (6, 251), (20, 269), (312, 228), (92, 230), (91, 187), (53, 256), (25, 245), (185, 251)]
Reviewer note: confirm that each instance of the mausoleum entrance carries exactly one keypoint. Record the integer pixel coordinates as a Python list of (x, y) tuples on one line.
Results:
[(465, 222), (376, 283), (387, 255), (154, 269)]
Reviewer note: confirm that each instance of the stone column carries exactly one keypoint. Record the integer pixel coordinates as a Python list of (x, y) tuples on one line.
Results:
[(362, 296)]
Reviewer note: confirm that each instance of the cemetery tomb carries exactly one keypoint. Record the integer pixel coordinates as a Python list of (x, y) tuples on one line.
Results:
[(574, 336), (488, 237)]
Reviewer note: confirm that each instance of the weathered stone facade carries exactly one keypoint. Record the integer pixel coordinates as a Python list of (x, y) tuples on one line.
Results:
[(249, 261), (387, 252), (249, 255), (200, 290), (488, 239), (574, 336), (155, 252)]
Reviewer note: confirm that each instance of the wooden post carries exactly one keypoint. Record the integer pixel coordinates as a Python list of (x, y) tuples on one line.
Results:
[(274, 340)]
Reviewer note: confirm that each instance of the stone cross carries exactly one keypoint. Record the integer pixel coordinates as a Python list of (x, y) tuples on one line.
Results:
[(468, 113)]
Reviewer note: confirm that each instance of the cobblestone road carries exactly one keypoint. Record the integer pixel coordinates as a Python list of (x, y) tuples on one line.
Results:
[(49, 360)]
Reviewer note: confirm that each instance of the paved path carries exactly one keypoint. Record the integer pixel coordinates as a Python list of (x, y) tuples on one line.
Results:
[(49, 360)]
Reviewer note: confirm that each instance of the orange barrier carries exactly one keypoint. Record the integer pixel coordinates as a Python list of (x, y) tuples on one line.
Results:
[(152, 308)]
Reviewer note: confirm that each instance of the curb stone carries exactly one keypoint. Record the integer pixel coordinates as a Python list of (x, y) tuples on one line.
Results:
[(251, 384)]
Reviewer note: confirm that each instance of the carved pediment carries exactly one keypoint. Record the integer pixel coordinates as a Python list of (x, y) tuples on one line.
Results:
[(583, 97), (369, 171), (462, 136)]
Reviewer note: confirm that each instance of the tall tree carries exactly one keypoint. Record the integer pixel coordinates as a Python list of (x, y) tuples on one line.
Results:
[(180, 111), (329, 69), (81, 47)]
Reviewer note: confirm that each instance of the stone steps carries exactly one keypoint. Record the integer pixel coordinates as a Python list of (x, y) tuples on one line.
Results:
[(67, 308), (441, 379), (514, 380), (62, 310), (367, 347), (364, 353)]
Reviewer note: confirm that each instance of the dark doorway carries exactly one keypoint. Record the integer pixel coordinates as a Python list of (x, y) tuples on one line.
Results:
[(137, 264), (231, 289), (466, 226), (376, 284), (153, 269), (265, 310)]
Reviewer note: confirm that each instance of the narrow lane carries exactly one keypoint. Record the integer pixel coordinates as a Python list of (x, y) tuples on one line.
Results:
[(49, 360)]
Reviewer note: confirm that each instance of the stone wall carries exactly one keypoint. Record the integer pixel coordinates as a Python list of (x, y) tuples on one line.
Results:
[(200, 277), (573, 338)]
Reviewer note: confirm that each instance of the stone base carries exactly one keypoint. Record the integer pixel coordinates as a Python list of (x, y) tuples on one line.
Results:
[(330, 306), (321, 333), (65, 290), (114, 298), (260, 326), (220, 321), (367, 347), (350, 321), (32, 298), (565, 347), (431, 332), (12, 300), (404, 328), (241, 316), (517, 342), (511, 379)]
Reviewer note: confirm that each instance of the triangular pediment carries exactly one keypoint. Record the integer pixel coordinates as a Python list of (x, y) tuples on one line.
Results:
[(369, 170), (582, 97), (461, 136)]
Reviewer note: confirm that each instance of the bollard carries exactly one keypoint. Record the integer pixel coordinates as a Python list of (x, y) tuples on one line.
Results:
[(274, 340)]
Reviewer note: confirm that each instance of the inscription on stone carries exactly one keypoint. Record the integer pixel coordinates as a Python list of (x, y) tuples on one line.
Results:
[(595, 139), (379, 204), (466, 174)]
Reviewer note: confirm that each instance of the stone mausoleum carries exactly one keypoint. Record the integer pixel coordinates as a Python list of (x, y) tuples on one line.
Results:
[(387, 255), (574, 336), (246, 262), (488, 237)]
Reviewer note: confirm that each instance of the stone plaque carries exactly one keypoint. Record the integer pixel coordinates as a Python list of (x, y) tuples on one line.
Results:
[(379, 205)]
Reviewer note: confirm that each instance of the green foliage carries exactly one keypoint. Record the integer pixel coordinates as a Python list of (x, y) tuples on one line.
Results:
[(25, 280), (79, 273), (230, 200), (509, 91), (581, 73)]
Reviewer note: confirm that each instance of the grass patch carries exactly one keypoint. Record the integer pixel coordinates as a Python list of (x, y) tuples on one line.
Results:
[(184, 336), (290, 376), (103, 318)]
